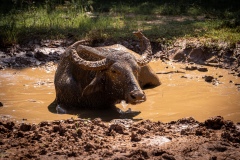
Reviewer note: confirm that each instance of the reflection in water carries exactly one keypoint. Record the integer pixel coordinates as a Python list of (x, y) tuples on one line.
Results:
[(27, 93), (105, 114), (124, 104)]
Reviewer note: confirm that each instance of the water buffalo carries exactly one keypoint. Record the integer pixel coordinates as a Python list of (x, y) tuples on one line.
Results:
[(100, 77)]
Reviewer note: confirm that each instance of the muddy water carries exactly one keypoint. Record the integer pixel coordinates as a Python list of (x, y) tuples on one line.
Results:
[(27, 93), (180, 97)]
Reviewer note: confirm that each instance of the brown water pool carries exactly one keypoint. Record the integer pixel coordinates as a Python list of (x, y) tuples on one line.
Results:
[(27, 93)]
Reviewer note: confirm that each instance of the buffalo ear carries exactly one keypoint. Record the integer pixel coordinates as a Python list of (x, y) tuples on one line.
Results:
[(97, 84)]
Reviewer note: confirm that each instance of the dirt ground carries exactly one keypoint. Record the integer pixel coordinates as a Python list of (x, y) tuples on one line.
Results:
[(186, 138), (213, 139)]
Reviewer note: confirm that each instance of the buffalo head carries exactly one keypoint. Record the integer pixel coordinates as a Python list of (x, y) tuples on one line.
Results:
[(116, 74)]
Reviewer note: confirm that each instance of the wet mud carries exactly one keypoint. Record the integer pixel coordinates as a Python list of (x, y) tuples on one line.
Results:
[(185, 138)]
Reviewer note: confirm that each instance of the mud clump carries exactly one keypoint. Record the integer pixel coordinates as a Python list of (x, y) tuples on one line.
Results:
[(208, 78), (215, 122), (25, 127), (186, 138), (117, 128), (135, 137)]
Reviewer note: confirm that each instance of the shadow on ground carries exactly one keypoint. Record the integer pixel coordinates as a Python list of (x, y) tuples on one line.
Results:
[(106, 115)]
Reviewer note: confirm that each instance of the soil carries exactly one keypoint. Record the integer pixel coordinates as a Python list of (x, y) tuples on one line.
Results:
[(186, 138)]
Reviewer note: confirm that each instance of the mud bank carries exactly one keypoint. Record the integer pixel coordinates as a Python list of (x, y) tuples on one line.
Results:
[(185, 138), (216, 54)]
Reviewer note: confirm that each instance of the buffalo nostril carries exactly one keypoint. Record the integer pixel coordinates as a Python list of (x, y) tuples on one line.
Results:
[(133, 96), (137, 95)]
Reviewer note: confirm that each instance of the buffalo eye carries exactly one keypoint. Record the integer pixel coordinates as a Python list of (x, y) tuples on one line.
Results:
[(114, 71)]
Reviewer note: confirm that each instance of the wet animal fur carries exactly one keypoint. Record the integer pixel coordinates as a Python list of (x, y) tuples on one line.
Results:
[(78, 87)]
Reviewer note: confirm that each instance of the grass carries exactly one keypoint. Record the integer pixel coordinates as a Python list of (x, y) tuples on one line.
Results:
[(59, 24), (119, 22)]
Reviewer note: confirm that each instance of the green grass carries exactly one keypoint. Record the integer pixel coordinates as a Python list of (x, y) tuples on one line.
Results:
[(120, 22), (58, 24)]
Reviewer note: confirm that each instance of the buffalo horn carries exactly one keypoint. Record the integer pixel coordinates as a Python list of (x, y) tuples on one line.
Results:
[(89, 65), (147, 55)]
